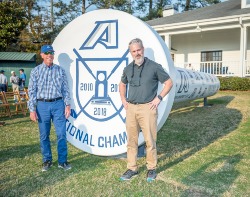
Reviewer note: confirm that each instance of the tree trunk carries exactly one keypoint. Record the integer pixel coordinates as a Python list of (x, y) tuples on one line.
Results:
[(187, 6), (83, 7), (150, 15)]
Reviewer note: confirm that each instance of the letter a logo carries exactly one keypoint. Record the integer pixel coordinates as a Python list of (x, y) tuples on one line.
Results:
[(105, 33)]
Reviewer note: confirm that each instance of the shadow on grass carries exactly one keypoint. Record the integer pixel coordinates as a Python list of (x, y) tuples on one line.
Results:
[(34, 184), (190, 128), (13, 134), (13, 152), (19, 122), (21, 159), (15, 119), (22, 151), (214, 177)]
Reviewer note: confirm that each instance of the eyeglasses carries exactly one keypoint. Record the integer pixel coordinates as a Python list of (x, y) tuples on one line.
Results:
[(49, 52)]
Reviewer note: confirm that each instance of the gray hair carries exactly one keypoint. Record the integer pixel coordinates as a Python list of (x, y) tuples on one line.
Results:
[(136, 40)]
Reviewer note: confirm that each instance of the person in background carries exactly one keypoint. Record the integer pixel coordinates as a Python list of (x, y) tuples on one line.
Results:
[(141, 77), (2, 123), (49, 101), (14, 80), (22, 79), (190, 67), (3, 87), (3, 81)]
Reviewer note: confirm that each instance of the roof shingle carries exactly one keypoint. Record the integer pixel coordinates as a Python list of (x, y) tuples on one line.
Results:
[(13, 56), (224, 9)]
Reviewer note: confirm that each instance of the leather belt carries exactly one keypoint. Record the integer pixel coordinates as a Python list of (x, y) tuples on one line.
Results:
[(134, 103), (50, 100)]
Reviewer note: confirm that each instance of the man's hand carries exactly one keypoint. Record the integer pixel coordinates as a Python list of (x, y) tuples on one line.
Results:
[(154, 103), (67, 111), (33, 116), (122, 90), (125, 104), (167, 87)]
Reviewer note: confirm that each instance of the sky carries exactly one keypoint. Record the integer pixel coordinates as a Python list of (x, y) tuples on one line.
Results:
[(93, 7)]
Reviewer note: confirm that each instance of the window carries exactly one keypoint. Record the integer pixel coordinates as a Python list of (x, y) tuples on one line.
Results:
[(211, 62), (208, 56), (245, 4)]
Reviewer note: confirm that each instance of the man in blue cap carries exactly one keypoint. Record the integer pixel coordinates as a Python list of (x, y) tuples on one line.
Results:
[(49, 101)]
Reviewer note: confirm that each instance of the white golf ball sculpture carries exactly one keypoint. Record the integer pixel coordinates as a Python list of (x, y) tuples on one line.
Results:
[(93, 49)]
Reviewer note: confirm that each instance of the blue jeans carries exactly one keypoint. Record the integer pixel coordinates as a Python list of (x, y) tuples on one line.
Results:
[(47, 112), (3, 87)]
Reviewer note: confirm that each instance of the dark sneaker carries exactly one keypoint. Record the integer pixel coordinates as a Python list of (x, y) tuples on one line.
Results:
[(128, 175), (65, 166), (46, 166), (151, 175)]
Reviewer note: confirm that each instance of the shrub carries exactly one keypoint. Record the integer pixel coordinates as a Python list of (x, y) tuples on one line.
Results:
[(234, 83)]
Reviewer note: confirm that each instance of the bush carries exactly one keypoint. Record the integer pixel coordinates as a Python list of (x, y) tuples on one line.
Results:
[(234, 83)]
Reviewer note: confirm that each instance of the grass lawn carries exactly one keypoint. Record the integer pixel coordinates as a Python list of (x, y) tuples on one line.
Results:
[(202, 151)]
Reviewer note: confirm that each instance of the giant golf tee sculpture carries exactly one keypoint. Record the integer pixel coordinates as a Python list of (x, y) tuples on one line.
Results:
[(93, 49)]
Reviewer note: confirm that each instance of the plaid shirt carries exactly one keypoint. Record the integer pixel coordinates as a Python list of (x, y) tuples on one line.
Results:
[(47, 83)]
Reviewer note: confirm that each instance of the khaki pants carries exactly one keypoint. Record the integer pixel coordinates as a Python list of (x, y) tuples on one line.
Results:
[(141, 117), (15, 88)]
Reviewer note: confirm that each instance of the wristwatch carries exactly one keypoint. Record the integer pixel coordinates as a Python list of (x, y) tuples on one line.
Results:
[(159, 97)]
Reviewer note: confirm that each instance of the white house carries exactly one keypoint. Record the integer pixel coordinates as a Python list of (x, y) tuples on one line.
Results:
[(214, 39)]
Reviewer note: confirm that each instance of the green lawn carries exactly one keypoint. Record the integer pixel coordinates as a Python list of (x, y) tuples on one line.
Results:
[(202, 151)]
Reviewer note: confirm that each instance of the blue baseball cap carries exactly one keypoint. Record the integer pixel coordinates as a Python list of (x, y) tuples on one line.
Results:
[(46, 48)]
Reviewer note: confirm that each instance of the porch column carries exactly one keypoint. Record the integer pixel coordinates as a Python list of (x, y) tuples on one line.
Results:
[(247, 59), (168, 41), (243, 50)]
